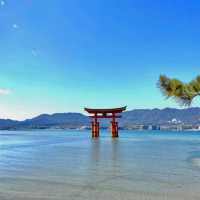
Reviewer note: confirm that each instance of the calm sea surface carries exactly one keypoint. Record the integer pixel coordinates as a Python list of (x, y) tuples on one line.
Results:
[(69, 165)]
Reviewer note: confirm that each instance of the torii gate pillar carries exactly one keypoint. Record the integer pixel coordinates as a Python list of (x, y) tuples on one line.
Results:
[(114, 128), (95, 129)]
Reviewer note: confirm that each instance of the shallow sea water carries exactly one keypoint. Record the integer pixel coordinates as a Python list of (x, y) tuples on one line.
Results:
[(69, 165)]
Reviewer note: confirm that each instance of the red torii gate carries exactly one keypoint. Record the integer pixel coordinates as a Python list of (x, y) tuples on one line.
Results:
[(110, 113)]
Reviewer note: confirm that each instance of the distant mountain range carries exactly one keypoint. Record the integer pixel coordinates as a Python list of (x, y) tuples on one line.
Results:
[(161, 116), (133, 117)]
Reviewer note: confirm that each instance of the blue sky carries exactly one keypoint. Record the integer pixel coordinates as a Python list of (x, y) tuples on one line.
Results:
[(59, 55)]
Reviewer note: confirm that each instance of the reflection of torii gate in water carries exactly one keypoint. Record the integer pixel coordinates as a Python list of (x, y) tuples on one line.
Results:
[(110, 113)]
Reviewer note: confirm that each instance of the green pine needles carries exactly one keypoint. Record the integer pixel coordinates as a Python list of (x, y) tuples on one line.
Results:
[(182, 92)]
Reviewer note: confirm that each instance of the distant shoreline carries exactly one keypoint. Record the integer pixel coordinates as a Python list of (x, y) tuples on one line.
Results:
[(82, 130), (167, 119)]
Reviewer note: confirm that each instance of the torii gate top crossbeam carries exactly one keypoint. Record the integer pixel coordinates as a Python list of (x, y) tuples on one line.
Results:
[(105, 111)]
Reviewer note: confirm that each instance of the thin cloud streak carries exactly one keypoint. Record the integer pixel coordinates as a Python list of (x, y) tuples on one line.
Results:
[(4, 91)]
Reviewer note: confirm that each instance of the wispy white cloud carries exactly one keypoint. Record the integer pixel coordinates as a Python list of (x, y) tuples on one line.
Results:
[(15, 26), (2, 3), (4, 91)]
